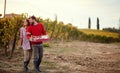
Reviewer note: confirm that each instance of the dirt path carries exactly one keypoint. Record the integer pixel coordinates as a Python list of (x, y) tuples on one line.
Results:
[(70, 57)]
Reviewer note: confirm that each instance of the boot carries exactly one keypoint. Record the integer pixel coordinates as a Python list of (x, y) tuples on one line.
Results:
[(39, 61), (26, 66), (36, 67)]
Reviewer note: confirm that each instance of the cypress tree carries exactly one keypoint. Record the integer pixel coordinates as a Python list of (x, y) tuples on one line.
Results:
[(98, 25), (89, 23)]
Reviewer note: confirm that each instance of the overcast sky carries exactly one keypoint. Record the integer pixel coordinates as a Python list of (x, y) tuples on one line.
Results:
[(76, 12)]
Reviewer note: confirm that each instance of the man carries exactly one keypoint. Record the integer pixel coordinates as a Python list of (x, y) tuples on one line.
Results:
[(33, 31)]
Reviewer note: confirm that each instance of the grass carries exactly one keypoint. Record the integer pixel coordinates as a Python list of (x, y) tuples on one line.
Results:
[(100, 32)]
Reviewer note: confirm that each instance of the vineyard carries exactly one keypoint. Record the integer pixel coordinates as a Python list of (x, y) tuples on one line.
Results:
[(9, 30), (63, 54), (58, 31)]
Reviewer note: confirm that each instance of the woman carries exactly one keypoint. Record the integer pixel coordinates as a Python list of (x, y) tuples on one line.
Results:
[(25, 44)]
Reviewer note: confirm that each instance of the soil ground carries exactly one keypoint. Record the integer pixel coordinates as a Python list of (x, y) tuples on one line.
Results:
[(69, 57)]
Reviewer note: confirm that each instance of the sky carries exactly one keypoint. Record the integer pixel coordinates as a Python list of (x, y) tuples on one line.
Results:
[(76, 12)]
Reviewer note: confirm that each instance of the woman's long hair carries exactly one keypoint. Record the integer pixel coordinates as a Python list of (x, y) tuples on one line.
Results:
[(28, 23)]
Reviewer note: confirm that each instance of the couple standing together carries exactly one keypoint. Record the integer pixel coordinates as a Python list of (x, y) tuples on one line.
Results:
[(32, 28)]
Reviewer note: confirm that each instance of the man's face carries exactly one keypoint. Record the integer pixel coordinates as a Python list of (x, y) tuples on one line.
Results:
[(31, 21)]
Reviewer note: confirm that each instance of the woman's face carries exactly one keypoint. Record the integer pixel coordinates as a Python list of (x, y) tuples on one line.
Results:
[(25, 23)]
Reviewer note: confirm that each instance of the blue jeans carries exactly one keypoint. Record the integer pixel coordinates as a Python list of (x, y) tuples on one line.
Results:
[(38, 52)]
